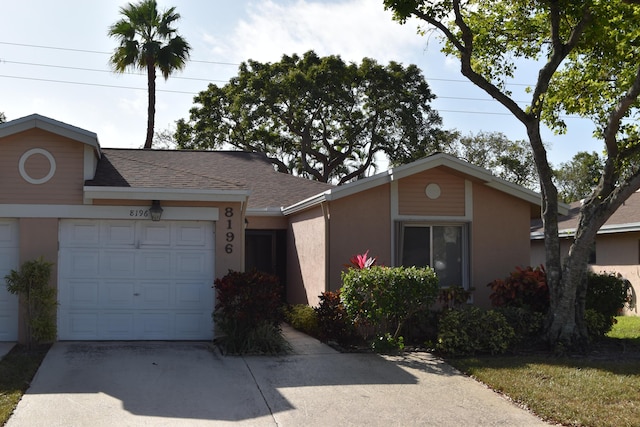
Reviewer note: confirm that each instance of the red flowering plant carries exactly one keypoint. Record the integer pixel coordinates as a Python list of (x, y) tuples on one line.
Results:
[(362, 261)]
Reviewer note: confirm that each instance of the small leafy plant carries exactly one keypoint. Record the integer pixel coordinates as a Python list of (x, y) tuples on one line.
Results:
[(334, 323), (524, 287), (303, 318), (31, 282), (248, 302)]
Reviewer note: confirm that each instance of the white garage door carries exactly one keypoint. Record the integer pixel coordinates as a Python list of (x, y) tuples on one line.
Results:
[(8, 262), (135, 280)]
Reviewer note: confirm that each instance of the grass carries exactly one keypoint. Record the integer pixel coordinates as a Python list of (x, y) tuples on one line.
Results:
[(598, 389), (16, 371)]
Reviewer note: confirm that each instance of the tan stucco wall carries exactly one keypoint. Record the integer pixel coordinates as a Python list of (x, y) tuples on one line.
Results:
[(359, 223), (267, 223), (412, 199), (615, 253), (65, 187), (38, 238), (499, 238), (306, 257)]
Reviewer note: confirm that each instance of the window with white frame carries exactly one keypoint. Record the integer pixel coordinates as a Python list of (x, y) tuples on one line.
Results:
[(441, 246)]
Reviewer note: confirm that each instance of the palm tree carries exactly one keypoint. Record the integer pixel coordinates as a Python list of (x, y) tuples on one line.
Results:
[(148, 40)]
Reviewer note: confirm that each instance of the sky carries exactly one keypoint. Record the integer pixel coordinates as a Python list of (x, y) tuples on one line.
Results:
[(54, 61)]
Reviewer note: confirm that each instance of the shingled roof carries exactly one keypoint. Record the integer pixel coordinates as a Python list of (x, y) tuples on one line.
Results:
[(206, 170), (626, 218)]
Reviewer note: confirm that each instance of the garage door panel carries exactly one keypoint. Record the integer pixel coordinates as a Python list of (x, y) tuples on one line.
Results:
[(154, 294), (81, 293), (118, 234), (193, 235), (81, 325), (118, 294), (120, 263), (158, 287), (117, 325), (155, 234), (154, 264), (81, 262), (8, 261), (81, 233), (193, 264)]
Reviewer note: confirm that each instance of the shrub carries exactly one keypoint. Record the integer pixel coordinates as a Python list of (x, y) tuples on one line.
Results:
[(246, 302), (334, 324), (598, 325), (303, 318), (31, 282), (527, 324), (454, 296), (524, 287), (473, 330), (606, 293), (385, 297), (264, 338)]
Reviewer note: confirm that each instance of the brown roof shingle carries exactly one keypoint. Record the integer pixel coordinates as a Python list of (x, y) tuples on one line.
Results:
[(208, 170)]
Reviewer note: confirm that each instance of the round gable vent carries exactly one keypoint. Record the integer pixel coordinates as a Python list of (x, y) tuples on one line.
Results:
[(26, 174)]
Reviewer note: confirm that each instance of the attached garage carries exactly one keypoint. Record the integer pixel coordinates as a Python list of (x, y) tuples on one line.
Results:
[(135, 280), (8, 261)]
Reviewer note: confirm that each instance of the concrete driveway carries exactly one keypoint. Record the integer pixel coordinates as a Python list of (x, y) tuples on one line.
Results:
[(191, 384)]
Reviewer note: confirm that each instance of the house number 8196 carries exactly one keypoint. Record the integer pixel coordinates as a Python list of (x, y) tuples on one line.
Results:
[(228, 212)]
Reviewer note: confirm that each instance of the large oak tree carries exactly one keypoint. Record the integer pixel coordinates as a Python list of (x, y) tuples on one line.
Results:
[(587, 57), (318, 117)]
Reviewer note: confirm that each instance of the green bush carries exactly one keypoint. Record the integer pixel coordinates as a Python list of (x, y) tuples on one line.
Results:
[(598, 325), (334, 323), (303, 318), (264, 338), (606, 293), (31, 282), (527, 324), (247, 302), (385, 297), (472, 330), (524, 287)]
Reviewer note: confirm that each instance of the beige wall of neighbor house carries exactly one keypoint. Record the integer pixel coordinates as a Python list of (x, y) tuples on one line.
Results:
[(615, 253), (499, 238), (49, 161), (38, 238), (412, 199), (358, 223), (306, 256), (266, 222)]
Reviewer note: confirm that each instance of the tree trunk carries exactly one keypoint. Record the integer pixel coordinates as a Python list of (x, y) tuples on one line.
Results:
[(151, 110)]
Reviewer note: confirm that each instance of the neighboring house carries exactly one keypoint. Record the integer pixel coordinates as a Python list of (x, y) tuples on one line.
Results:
[(617, 246), (137, 237)]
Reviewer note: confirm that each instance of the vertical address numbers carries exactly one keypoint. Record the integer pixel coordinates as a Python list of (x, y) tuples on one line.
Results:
[(229, 236)]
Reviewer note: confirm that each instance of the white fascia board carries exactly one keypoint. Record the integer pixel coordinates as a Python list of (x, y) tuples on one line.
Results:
[(264, 212), (127, 193), (53, 126), (107, 212), (605, 229), (306, 203)]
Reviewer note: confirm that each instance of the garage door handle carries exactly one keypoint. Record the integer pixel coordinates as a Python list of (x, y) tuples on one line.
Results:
[(136, 294)]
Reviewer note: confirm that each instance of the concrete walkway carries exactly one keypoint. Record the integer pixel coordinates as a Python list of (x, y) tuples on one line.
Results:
[(191, 384)]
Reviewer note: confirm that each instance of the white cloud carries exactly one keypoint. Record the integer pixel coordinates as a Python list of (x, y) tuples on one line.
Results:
[(352, 29)]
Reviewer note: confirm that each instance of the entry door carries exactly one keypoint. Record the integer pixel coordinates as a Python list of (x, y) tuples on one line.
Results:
[(136, 280), (8, 261)]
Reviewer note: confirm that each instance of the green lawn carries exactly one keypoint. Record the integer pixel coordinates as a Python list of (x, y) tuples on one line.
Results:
[(601, 389), (16, 371)]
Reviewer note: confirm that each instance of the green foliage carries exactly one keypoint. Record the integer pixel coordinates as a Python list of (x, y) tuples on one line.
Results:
[(472, 330), (303, 318), (246, 302), (524, 287), (3, 118), (527, 324), (334, 323), (454, 296), (387, 344), (264, 338), (31, 282), (577, 179), (318, 117), (598, 325), (607, 293), (385, 297)]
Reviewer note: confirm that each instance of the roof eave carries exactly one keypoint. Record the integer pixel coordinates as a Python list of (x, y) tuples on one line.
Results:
[(191, 195)]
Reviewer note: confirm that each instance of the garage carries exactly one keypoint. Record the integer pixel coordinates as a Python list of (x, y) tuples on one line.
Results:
[(135, 280), (8, 262)]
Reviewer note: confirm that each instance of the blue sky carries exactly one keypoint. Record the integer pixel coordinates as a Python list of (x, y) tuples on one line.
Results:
[(54, 62)]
